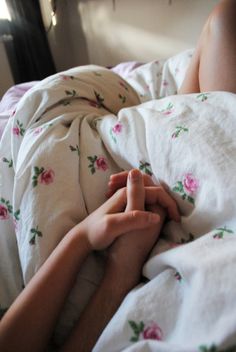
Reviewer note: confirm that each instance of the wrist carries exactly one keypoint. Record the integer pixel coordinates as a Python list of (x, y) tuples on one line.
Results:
[(79, 237)]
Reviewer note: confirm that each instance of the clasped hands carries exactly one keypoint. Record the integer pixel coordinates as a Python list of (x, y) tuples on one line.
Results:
[(129, 222)]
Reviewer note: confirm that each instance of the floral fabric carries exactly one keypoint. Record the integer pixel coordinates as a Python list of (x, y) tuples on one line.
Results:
[(67, 135)]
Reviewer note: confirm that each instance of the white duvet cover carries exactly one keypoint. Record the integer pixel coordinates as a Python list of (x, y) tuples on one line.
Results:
[(73, 130)]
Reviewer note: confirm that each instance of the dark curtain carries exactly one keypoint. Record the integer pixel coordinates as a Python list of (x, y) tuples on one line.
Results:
[(29, 54)]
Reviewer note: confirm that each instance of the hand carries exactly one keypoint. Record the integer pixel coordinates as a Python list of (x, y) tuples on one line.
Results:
[(155, 194), (129, 252), (110, 221)]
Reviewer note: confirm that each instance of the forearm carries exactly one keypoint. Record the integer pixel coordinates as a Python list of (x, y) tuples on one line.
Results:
[(29, 322), (98, 313)]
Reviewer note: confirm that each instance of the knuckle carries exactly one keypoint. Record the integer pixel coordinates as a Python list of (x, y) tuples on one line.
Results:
[(135, 214)]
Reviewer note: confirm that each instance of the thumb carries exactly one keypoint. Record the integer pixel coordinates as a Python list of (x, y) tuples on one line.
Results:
[(121, 223)]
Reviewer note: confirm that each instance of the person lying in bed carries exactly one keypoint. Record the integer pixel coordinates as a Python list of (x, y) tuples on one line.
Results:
[(28, 327)]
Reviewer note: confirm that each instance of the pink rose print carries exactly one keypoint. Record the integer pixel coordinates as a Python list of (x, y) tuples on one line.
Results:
[(97, 163), (47, 177), (117, 128), (165, 83), (16, 131), (187, 187), (221, 232), (3, 213), (43, 176), (38, 130), (66, 78), (13, 112), (152, 332), (190, 183), (178, 131), (101, 164), (178, 276), (168, 110), (122, 84), (93, 104)]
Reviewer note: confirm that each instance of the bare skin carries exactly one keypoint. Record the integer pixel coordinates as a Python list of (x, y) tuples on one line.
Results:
[(125, 260), (26, 326), (213, 66)]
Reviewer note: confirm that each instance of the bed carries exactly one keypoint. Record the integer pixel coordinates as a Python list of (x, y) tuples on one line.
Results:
[(71, 132)]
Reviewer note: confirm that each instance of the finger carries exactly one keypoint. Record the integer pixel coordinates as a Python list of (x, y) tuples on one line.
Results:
[(119, 180), (159, 195), (135, 191), (115, 204), (118, 224)]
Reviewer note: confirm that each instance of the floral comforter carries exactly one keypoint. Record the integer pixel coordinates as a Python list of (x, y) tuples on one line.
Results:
[(68, 134)]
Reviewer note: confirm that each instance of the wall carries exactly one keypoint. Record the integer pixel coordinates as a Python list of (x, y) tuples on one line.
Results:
[(93, 31), (6, 80)]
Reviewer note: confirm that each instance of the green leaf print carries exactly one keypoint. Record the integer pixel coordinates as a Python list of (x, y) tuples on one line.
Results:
[(46, 176), (137, 329), (75, 149), (145, 167), (168, 109), (221, 232), (18, 129), (179, 187), (36, 233), (9, 162), (97, 163), (188, 240), (7, 206), (187, 187), (122, 98), (214, 348), (71, 93), (178, 276), (203, 96), (179, 130), (99, 99), (190, 199), (17, 215)]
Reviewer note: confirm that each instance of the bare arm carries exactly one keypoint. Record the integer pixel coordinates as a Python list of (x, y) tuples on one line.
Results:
[(123, 271), (29, 323), (31, 319)]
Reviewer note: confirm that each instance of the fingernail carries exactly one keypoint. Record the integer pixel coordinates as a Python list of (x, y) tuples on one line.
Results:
[(134, 175), (154, 218)]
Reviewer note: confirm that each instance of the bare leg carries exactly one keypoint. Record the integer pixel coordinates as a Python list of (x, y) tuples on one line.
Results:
[(213, 66)]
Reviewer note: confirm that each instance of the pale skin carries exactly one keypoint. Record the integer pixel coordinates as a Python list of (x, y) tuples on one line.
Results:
[(127, 223), (122, 219), (213, 66)]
